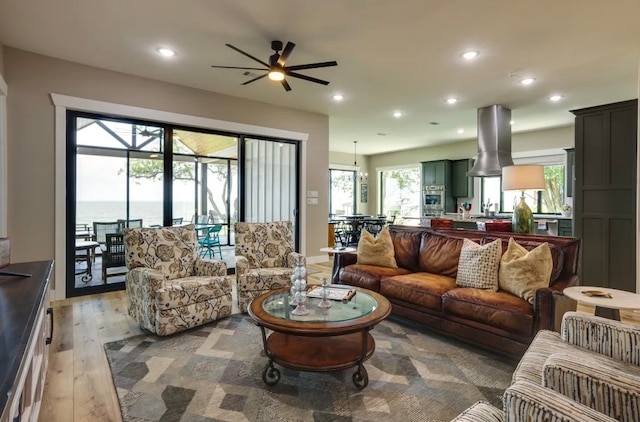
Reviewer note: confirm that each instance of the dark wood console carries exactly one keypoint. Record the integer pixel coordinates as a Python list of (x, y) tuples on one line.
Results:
[(26, 327)]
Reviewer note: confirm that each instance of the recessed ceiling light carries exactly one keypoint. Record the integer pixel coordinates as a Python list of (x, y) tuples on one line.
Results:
[(166, 52), (556, 97), (460, 130), (527, 81), (397, 114), (469, 55), (338, 97), (512, 122), (452, 100)]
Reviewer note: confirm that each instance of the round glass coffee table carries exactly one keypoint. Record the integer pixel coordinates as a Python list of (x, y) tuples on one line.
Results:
[(327, 339)]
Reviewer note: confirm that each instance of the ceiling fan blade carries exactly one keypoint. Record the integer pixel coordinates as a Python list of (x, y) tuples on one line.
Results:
[(285, 84), (312, 65), (247, 54), (241, 68), (286, 53), (255, 79), (307, 78)]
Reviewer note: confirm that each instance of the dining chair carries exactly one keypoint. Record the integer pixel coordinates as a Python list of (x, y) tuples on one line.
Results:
[(112, 254), (177, 221), (209, 241)]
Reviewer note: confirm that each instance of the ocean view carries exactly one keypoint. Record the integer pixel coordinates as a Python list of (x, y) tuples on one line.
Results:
[(151, 212)]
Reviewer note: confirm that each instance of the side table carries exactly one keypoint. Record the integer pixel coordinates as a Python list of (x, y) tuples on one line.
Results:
[(608, 302), (337, 250)]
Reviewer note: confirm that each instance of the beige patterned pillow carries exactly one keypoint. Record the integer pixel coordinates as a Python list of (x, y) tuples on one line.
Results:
[(478, 265), (522, 272), (378, 251)]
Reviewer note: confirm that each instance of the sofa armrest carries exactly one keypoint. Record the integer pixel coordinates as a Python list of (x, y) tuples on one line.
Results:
[(601, 335), (550, 300), (293, 257), (480, 411), (607, 385), (210, 267), (341, 260), (526, 401)]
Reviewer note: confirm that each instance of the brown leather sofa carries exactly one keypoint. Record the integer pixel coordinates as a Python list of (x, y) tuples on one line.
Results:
[(423, 287)]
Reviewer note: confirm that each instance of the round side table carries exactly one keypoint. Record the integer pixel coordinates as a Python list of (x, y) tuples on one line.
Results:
[(608, 302), (337, 251)]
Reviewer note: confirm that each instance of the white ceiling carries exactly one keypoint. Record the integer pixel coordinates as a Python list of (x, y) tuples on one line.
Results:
[(392, 55)]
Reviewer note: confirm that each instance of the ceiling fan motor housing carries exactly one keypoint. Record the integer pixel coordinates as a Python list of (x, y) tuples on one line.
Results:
[(276, 45)]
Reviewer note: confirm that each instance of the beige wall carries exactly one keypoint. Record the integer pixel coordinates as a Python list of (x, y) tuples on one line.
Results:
[(32, 78), (1, 60), (526, 143)]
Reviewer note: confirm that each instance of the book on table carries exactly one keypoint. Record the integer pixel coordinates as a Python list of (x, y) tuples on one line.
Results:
[(334, 292)]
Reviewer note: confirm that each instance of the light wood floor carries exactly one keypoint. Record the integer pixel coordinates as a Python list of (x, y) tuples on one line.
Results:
[(78, 384)]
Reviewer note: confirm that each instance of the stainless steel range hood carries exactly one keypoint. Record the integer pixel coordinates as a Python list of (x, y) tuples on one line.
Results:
[(494, 141)]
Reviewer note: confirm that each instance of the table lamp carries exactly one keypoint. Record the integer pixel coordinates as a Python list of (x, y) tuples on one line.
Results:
[(523, 177)]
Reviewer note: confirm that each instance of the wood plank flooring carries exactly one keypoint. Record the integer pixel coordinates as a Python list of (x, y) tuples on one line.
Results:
[(78, 385)]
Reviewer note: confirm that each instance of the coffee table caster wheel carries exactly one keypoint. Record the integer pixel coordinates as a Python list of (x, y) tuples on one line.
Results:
[(270, 375), (360, 378)]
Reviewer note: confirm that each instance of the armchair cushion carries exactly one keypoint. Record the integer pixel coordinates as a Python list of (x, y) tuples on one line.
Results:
[(170, 250), (190, 290), (265, 245), (530, 366), (610, 386)]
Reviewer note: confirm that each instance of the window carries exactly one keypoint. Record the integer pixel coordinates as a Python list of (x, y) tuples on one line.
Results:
[(549, 200), (342, 188), (400, 193)]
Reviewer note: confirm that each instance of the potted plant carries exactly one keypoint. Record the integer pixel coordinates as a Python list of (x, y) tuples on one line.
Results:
[(566, 210)]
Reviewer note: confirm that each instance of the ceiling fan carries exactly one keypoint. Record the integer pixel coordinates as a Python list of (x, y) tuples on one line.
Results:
[(276, 69)]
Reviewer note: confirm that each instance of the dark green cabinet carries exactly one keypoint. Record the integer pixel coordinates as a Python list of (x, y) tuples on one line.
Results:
[(462, 186), (604, 196), (565, 227), (436, 173), (570, 172)]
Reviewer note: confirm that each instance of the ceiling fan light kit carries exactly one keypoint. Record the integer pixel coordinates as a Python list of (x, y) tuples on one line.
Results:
[(276, 68)]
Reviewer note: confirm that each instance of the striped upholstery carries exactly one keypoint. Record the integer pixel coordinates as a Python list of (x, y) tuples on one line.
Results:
[(605, 336), (480, 412), (530, 366), (526, 401), (604, 384)]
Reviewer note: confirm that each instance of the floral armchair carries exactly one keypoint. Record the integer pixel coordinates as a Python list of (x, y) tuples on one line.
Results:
[(169, 287), (264, 258)]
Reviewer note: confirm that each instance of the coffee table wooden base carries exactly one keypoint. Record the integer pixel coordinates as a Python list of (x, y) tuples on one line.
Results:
[(318, 354)]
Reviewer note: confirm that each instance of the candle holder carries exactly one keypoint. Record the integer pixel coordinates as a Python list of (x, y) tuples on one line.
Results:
[(324, 303)]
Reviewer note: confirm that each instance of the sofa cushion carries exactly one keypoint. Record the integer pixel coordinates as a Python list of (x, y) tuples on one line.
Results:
[(406, 245), (499, 309), (439, 254), (478, 265), (557, 253), (523, 272), (376, 251), (421, 289), (368, 276)]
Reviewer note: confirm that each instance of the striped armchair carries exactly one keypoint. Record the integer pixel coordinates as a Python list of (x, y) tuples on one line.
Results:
[(592, 368)]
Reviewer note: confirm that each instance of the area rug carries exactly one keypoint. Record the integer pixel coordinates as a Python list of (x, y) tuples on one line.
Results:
[(214, 373)]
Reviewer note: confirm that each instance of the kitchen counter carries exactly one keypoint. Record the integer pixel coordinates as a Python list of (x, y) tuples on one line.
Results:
[(500, 216)]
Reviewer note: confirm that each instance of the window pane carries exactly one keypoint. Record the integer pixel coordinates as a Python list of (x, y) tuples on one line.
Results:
[(401, 192), (491, 189), (553, 195), (341, 185), (512, 198)]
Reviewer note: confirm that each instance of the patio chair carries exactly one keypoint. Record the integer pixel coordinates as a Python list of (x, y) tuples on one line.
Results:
[(169, 287), (177, 221), (264, 258), (112, 254), (137, 222), (102, 228), (209, 241)]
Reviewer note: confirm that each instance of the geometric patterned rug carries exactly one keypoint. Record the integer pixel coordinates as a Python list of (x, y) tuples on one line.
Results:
[(214, 373)]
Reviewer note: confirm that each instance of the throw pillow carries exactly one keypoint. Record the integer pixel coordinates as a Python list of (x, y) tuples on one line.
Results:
[(522, 272), (478, 265), (378, 251)]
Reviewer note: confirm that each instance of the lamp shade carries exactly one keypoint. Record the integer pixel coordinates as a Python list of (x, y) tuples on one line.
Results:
[(523, 177)]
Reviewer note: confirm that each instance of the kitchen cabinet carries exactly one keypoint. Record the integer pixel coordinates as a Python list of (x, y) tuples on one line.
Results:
[(438, 173), (570, 172), (462, 186), (604, 196), (565, 227)]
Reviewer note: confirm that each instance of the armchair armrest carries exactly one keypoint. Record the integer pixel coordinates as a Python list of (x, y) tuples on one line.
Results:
[(293, 257), (601, 335), (242, 264), (147, 280), (210, 267), (527, 401), (480, 411), (607, 385)]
